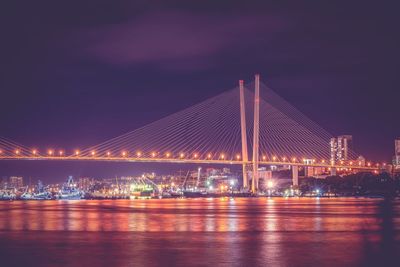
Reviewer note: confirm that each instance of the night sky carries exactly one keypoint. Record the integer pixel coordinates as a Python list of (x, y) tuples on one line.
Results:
[(76, 73)]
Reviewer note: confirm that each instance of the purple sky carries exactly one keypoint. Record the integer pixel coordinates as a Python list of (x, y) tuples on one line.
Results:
[(76, 73)]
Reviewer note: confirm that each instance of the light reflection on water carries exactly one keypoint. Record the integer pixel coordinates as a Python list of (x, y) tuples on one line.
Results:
[(256, 231)]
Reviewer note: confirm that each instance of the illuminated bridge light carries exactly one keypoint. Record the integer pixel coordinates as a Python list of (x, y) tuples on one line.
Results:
[(323, 161), (209, 156), (195, 155), (76, 152), (93, 153), (274, 158), (294, 159), (108, 153), (124, 153), (222, 156), (182, 155), (34, 152), (264, 157), (359, 163), (153, 154), (50, 152), (61, 152), (284, 159), (238, 157), (351, 163), (139, 154), (17, 151), (369, 164), (168, 154)]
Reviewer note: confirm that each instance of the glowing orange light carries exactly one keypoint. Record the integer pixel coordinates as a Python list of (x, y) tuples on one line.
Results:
[(93, 153), (359, 163), (17, 152), (264, 157), (60, 152), (323, 161), (182, 155), (294, 159), (108, 153), (139, 154), (273, 158), (195, 155), (341, 162), (369, 164), (168, 154), (34, 152), (123, 153), (238, 157), (351, 163), (153, 154), (222, 156), (209, 156), (50, 152), (1, 151), (284, 159), (76, 152)]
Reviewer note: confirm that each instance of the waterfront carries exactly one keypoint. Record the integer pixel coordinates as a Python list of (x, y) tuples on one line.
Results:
[(198, 232)]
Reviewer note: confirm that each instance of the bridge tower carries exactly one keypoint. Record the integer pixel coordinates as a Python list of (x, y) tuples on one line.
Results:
[(256, 134), (245, 155)]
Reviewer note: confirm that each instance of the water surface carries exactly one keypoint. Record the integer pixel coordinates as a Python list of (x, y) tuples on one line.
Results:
[(200, 232)]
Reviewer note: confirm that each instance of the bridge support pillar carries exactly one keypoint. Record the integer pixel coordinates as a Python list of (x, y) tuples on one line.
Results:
[(295, 175), (256, 132), (245, 156)]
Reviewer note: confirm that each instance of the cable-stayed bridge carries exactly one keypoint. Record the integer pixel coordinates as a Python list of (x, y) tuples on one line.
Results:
[(249, 125)]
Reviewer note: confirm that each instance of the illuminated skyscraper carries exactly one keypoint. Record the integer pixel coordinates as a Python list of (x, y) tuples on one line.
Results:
[(340, 147), (396, 159)]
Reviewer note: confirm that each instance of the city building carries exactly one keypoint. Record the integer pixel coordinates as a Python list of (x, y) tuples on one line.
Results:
[(16, 182), (340, 147), (396, 158)]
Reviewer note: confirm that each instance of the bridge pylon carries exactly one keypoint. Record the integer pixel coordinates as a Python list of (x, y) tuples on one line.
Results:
[(245, 155), (256, 134)]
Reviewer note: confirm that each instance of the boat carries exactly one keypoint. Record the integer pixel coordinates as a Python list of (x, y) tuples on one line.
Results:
[(41, 194), (69, 191), (194, 193), (7, 194)]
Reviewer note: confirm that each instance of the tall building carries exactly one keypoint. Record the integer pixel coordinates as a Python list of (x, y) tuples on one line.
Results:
[(16, 182), (396, 159), (340, 148)]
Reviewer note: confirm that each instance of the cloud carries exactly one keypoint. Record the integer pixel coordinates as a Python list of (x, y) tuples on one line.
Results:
[(176, 40)]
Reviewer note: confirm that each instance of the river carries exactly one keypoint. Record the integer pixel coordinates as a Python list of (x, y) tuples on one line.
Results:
[(201, 232)]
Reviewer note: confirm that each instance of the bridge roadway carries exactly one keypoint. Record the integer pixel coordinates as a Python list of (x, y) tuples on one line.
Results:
[(192, 161)]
